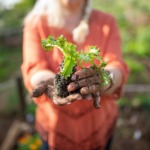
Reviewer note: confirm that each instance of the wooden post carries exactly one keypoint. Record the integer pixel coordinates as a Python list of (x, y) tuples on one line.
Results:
[(21, 96), (16, 128)]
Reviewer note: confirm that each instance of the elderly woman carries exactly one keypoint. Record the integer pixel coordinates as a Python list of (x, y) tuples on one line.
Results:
[(78, 126)]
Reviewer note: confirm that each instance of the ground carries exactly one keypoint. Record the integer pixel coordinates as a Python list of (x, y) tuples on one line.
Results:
[(132, 130)]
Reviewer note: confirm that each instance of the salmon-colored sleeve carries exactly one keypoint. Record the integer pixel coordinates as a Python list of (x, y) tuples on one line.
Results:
[(113, 54), (34, 58)]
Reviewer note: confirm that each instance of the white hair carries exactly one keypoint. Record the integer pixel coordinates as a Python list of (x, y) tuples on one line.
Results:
[(48, 8)]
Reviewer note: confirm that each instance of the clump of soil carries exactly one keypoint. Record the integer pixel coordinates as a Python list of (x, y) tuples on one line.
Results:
[(60, 83)]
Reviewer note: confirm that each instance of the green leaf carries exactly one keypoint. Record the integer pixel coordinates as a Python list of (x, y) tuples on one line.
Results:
[(68, 67)]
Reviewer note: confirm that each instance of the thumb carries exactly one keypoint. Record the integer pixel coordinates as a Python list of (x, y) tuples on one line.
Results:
[(96, 100)]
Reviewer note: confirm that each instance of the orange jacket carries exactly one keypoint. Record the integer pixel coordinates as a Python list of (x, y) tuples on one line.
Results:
[(79, 125)]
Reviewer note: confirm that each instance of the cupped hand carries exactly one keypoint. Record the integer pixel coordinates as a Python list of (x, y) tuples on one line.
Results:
[(47, 87), (88, 81)]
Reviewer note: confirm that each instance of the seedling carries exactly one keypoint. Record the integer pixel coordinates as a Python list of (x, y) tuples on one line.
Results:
[(71, 59)]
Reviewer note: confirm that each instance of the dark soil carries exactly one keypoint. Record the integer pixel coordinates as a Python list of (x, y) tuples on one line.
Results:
[(60, 83)]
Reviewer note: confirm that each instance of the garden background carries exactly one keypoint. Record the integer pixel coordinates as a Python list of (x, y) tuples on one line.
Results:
[(133, 126)]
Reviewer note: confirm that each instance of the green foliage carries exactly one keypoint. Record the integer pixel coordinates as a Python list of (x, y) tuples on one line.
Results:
[(31, 108), (13, 17), (138, 44), (138, 101), (72, 57), (9, 63), (135, 66), (133, 20), (139, 6), (138, 71), (13, 100), (143, 42), (29, 142)]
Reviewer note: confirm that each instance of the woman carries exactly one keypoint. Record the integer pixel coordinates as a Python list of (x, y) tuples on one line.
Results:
[(78, 125)]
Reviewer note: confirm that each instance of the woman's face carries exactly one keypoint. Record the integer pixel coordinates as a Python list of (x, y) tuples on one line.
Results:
[(72, 4)]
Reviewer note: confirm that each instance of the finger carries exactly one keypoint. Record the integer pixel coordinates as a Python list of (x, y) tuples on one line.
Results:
[(90, 89), (68, 103), (73, 97), (49, 91), (84, 73), (49, 81), (88, 97), (59, 101), (105, 88), (63, 101), (41, 88), (83, 82), (37, 92), (96, 100)]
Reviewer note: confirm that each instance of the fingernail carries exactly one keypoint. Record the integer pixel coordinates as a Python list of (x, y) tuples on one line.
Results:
[(71, 87), (89, 98), (74, 77), (97, 107), (79, 97)]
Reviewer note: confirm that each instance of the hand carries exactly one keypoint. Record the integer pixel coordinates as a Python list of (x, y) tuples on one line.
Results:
[(88, 80), (47, 87)]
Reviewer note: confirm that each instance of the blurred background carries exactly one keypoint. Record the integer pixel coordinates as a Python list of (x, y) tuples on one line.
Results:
[(17, 109)]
